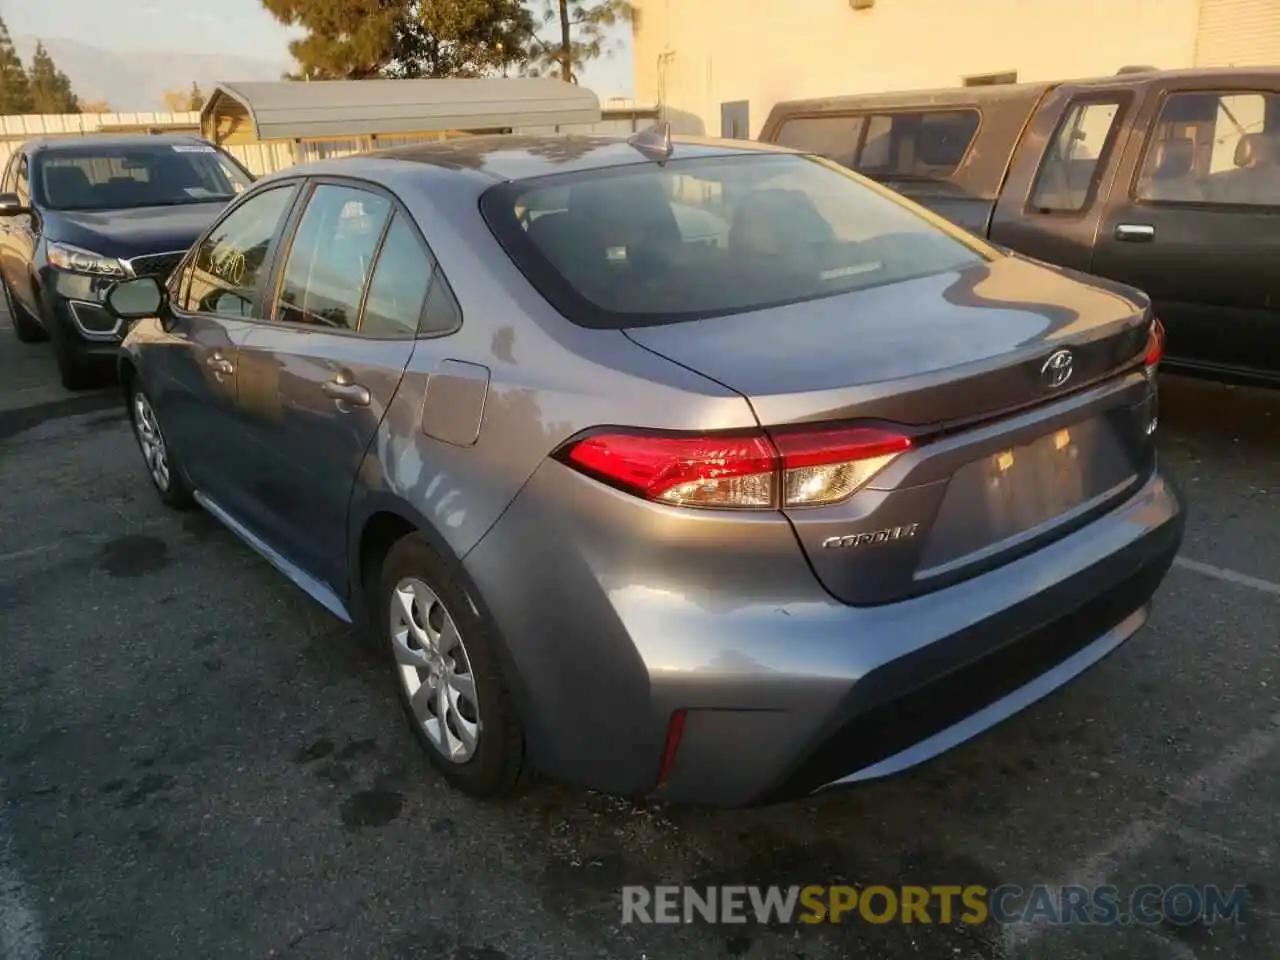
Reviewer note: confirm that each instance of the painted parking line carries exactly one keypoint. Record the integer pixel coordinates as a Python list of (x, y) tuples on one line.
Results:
[(1206, 784), (1229, 576)]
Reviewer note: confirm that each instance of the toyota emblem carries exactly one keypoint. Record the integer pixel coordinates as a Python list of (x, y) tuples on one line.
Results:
[(1057, 369)]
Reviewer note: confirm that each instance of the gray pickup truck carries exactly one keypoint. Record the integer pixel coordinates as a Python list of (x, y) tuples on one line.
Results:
[(1165, 180)]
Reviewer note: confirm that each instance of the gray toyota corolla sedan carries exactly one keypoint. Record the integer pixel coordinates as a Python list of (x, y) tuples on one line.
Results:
[(702, 470)]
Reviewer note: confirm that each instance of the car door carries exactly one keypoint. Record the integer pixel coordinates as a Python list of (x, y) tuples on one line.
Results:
[(21, 236), (1195, 220), (6, 223), (192, 374), (317, 378), (1057, 187)]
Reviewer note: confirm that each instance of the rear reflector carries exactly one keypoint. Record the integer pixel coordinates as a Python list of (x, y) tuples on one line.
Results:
[(1155, 346), (753, 470), (675, 731)]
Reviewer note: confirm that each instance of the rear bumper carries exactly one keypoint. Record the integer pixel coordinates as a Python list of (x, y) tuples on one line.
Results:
[(786, 691)]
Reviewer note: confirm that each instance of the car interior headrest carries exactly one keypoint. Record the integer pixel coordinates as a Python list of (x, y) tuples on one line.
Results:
[(1254, 150), (1174, 158)]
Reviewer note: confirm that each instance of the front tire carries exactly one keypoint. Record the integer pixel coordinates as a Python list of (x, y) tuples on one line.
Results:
[(163, 470), (73, 368), (447, 674), (25, 326)]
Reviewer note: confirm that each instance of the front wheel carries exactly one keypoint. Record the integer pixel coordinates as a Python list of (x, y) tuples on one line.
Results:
[(25, 327), (161, 467), (447, 674)]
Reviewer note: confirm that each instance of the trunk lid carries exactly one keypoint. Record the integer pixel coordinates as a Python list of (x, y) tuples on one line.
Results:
[(1009, 454)]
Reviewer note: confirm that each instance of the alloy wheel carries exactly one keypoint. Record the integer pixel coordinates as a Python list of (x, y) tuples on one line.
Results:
[(151, 440), (435, 671)]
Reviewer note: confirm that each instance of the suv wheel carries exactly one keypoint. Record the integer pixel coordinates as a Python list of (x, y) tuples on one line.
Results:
[(447, 674), (25, 326), (161, 467)]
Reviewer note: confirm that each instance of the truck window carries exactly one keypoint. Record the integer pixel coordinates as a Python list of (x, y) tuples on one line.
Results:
[(916, 146), (834, 137), (1220, 147), (1070, 167)]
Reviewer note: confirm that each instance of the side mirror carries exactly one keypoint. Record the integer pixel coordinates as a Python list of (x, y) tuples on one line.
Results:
[(135, 298), (11, 206)]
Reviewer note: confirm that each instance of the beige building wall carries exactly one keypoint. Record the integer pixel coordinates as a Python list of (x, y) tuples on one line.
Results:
[(1238, 33), (694, 55)]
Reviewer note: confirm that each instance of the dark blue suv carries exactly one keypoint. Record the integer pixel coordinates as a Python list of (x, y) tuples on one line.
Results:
[(78, 214)]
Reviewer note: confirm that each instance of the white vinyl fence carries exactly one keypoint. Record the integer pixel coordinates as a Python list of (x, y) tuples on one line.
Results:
[(619, 116)]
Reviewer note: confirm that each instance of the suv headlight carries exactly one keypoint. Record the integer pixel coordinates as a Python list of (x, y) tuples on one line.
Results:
[(66, 257)]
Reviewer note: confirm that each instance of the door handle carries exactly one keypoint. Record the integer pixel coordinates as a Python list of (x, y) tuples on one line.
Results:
[(1135, 232), (221, 366), (340, 388)]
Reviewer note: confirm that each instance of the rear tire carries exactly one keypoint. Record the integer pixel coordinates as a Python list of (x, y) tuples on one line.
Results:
[(25, 326), (443, 661), (165, 473)]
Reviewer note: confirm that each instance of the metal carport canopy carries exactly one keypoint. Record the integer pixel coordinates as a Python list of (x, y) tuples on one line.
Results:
[(332, 109)]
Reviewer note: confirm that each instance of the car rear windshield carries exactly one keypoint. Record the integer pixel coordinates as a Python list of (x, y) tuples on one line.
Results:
[(146, 175), (645, 244)]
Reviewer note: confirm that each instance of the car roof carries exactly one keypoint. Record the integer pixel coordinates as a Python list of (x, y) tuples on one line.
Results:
[(92, 140), (500, 157)]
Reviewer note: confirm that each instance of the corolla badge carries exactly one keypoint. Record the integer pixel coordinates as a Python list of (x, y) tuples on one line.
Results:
[(875, 536), (1057, 369)]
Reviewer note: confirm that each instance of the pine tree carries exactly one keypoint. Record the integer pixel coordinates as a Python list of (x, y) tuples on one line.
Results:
[(50, 87), (580, 34), (15, 91)]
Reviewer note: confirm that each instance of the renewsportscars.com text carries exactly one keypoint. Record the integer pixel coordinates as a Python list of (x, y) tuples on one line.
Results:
[(1148, 905)]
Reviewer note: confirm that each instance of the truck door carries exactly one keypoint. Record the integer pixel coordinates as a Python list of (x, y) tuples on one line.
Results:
[(1061, 174), (1194, 219)]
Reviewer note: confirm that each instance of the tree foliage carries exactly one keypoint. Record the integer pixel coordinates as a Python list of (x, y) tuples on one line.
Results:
[(50, 88), (361, 39), (195, 98), (461, 38), (345, 39), (15, 87), (580, 29)]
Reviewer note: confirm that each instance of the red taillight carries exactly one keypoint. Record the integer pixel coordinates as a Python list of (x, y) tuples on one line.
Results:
[(754, 471), (1155, 346), (710, 471)]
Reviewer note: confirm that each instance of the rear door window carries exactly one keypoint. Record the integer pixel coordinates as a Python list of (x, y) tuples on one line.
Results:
[(398, 291), (1068, 175), (331, 257), (1214, 147), (22, 182)]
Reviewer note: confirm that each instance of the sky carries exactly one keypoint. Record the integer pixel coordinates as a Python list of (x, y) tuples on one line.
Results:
[(231, 27)]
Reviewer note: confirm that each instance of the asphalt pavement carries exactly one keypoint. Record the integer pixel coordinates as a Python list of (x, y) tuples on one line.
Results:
[(196, 761)]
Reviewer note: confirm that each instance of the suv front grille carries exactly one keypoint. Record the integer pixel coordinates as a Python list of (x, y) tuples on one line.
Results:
[(156, 264)]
